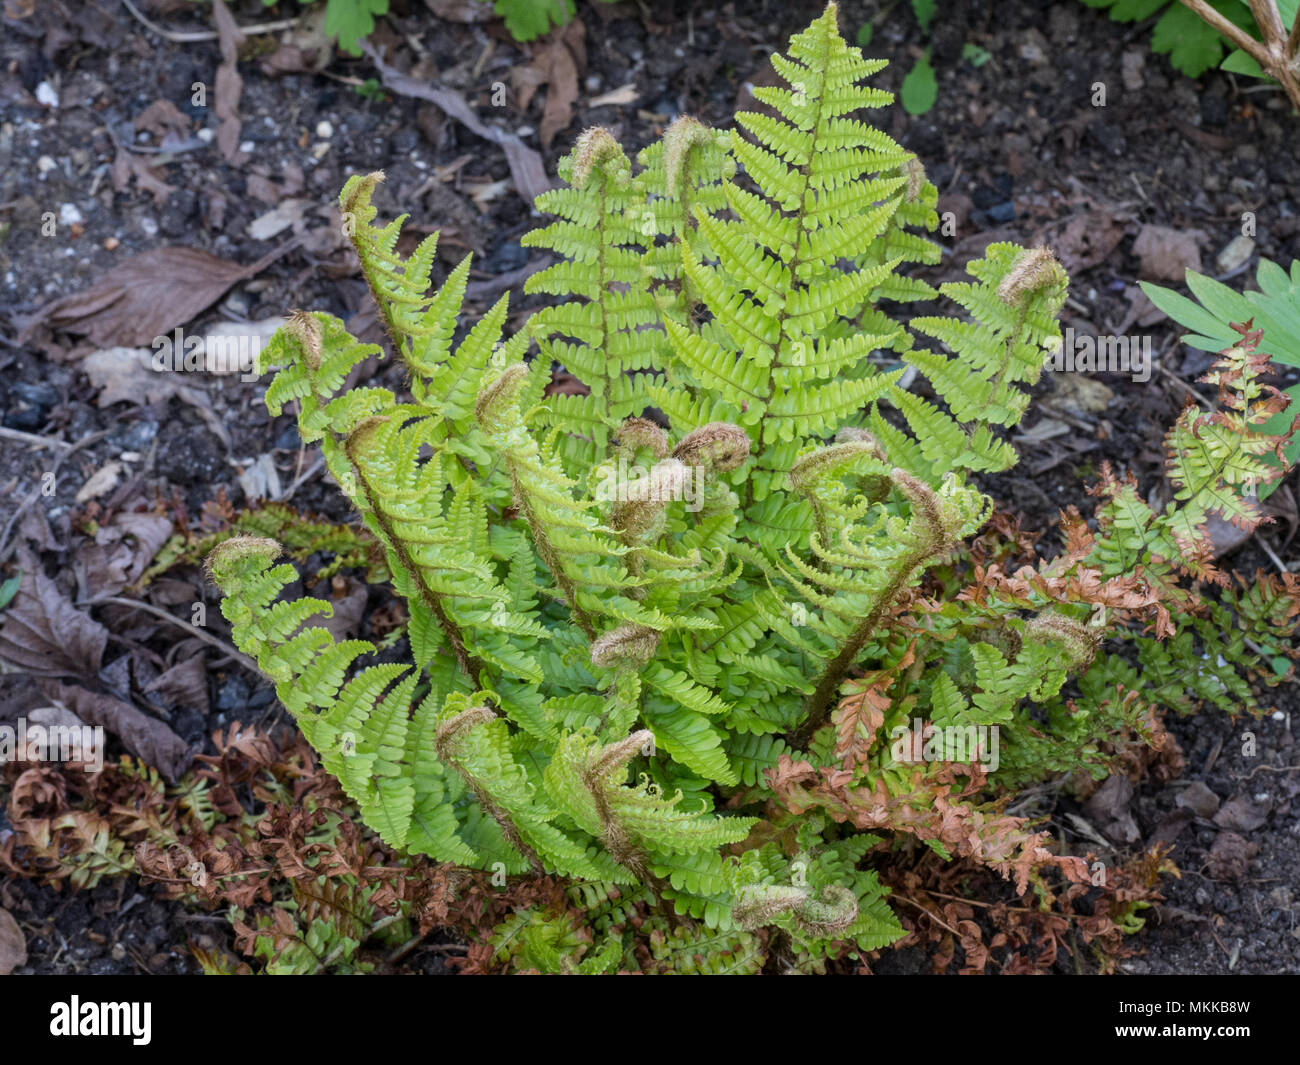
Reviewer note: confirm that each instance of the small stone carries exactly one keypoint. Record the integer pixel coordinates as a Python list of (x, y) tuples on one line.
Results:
[(36, 395), (111, 243), (1238, 251), (247, 147), (1131, 66), (324, 130), (69, 215), (1034, 48), (207, 136), (149, 226), (45, 94), (45, 164)]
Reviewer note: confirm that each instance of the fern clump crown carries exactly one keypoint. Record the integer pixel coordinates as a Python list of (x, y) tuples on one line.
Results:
[(661, 631)]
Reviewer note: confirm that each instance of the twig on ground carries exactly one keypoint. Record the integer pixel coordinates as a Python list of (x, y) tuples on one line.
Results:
[(197, 633), (195, 36), (32, 438)]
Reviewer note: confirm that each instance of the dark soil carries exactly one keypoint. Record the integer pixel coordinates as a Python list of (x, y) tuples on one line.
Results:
[(1015, 145)]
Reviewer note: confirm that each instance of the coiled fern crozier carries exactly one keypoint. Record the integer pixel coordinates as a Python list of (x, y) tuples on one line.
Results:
[(677, 639)]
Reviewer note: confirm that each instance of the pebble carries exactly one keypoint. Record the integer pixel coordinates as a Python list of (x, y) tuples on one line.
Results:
[(1237, 252), (324, 130), (247, 147), (69, 215), (148, 226), (207, 136), (45, 164), (46, 95), (37, 395)]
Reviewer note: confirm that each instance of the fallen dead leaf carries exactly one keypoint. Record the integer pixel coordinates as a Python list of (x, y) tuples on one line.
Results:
[(306, 48), (120, 552), (145, 297), (127, 375), (1225, 536), (44, 633), (278, 219), (261, 480), (485, 192), (1087, 240), (147, 738), (184, 685), (13, 944), (1240, 814), (1109, 808), (1167, 254), (623, 96), (162, 117), (128, 165), (101, 482), (229, 85), (560, 67), (347, 596)]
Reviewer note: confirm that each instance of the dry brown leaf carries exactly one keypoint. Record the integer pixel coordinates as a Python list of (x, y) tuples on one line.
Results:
[(44, 633), (275, 221), (229, 85), (185, 684), (120, 552), (128, 165), (1087, 240), (13, 945), (623, 96), (99, 483), (162, 117), (145, 297), (561, 91), (148, 739), (1167, 254), (347, 596), (125, 375)]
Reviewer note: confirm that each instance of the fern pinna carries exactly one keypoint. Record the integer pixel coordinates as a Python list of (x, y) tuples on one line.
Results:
[(672, 638)]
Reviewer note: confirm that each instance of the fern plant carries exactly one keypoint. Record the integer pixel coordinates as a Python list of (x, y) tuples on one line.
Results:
[(1219, 319), (678, 639)]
